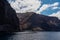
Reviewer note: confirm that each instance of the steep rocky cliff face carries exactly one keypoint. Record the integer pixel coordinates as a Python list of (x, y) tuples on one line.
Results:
[(9, 22), (8, 18), (37, 22)]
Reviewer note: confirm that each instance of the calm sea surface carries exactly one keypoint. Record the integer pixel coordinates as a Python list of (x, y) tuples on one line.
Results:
[(32, 36)]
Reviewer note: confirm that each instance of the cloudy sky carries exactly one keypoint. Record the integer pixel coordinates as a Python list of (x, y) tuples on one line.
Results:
[(45, 7)]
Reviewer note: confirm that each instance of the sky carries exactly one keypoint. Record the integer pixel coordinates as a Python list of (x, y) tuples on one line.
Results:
[(44, 7)]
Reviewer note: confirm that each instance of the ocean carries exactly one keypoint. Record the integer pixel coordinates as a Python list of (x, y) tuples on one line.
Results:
[(32, 36)]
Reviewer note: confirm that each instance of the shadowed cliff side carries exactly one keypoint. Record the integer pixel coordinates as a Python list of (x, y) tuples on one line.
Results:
[(8, 18)]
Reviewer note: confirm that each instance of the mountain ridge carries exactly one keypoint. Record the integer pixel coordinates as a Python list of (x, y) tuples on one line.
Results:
[(38, 22)]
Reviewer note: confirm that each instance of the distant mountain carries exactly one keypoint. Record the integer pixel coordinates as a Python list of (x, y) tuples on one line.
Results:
[(39, 22), (56, 15)]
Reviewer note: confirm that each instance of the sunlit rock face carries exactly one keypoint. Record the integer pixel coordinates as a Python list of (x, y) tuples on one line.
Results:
[(37, 22), (8, 19), (23, 17)]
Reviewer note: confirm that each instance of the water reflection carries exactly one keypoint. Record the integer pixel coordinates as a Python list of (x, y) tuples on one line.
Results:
[(33, 36)]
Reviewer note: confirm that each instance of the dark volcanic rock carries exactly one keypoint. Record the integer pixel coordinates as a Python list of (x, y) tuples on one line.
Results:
[(40, 22), (8, 18)]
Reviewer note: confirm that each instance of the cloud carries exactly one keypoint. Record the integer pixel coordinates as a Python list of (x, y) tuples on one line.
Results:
[(55, 4), (56, 14), (22, 6), (53, 8), (45, 6)]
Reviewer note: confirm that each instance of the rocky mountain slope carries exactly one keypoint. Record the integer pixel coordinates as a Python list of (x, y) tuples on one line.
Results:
[(37, 22)]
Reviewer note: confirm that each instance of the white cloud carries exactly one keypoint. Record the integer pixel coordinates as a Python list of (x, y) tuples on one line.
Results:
[(53, 8), (45, 6), (22, 6), (56, 14), (55, 4)]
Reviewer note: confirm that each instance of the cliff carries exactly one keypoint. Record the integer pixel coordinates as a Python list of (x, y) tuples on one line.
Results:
[(38, 22)]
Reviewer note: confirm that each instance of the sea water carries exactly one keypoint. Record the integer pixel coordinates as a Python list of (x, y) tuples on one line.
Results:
[(32, 36)]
